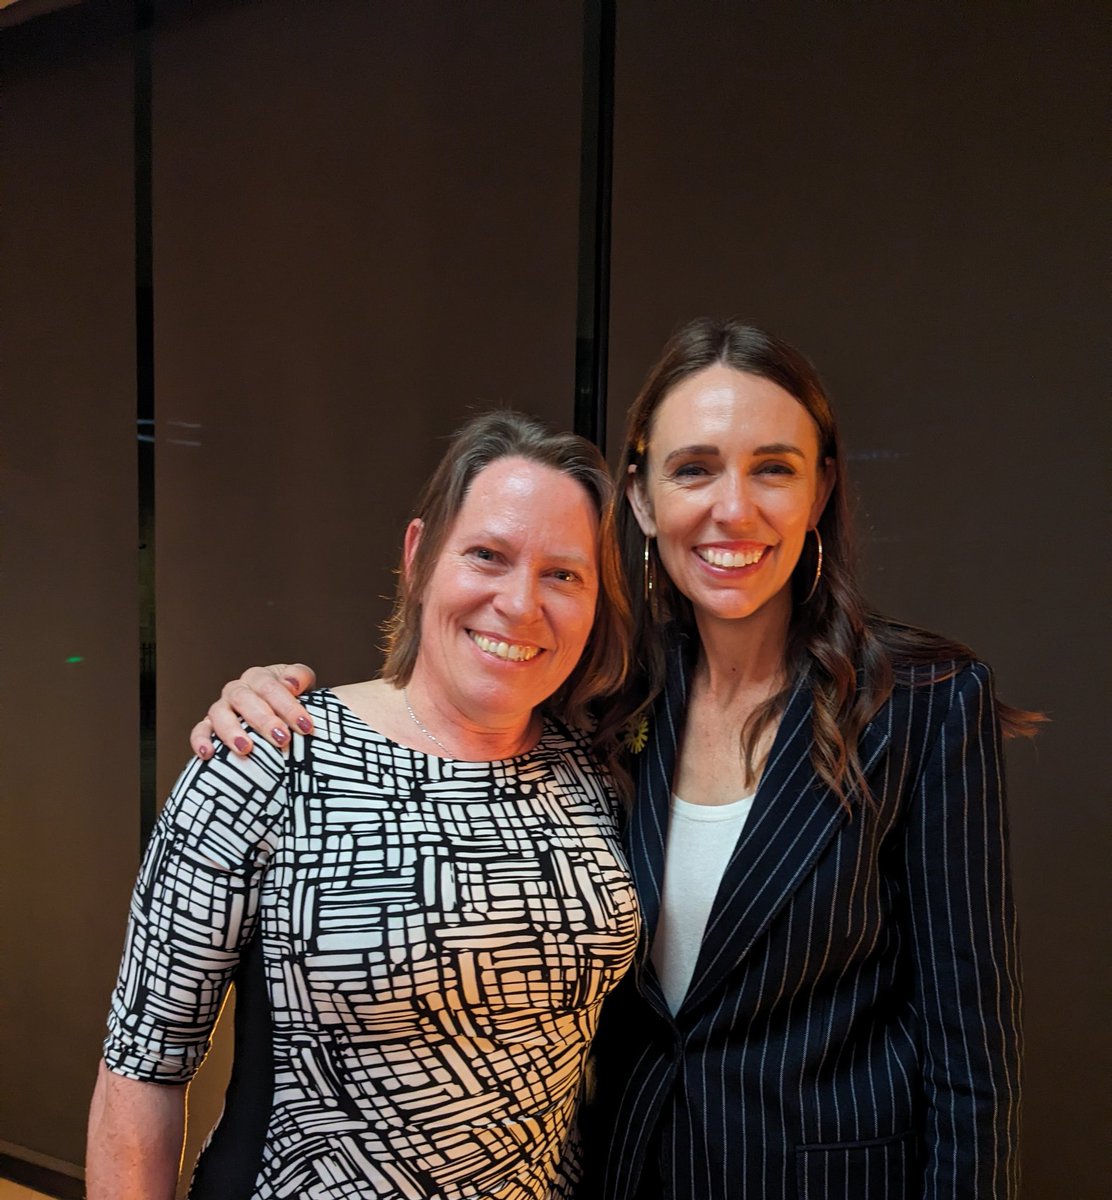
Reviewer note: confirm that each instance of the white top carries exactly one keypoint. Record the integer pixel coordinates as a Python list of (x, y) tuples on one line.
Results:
[(701, 838)]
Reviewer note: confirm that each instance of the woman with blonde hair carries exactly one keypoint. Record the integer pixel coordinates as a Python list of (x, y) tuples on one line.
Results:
[(424, 905)]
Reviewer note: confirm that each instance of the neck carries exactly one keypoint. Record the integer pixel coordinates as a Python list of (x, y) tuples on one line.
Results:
[(481, 737), (746, 654)]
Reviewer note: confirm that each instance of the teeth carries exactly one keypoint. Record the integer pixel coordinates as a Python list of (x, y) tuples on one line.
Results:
[(730, 558), (509, 650)]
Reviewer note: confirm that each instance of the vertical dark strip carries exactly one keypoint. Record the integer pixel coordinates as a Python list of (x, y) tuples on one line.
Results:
[(595, 178), (144, 392)]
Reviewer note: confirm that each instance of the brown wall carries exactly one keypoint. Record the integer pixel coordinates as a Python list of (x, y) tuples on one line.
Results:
[(69, 835), (365, 226), (364, 223)]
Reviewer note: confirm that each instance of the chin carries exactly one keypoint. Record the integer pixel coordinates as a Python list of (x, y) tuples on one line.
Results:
[(507, 701), (735, 607)]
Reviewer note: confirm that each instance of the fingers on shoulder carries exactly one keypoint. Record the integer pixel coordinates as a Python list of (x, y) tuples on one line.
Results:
[(200, 738), (262, 698)]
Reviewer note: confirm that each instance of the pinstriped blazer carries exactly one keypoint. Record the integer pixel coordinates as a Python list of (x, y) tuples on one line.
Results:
[(851, 1028)]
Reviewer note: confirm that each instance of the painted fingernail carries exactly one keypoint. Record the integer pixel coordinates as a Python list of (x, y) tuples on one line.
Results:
[(279, 735), (205, 752), (294, 683), (242, 745), (304, 724)]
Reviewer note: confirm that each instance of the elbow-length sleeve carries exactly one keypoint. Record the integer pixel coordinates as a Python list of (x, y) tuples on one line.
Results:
[(963, 931), (193, 910)]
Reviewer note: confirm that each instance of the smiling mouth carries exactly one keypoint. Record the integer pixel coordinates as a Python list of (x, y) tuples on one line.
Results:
[(509, 651), (730, 558)]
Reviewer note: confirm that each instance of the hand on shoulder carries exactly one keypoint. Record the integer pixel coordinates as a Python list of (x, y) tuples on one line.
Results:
[(263, 697)]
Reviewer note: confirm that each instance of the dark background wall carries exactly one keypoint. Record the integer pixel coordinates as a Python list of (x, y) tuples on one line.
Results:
[(70, 775), (364, 222)]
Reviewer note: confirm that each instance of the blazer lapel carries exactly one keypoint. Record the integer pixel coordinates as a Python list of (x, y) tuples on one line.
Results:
[(647, 830), (794, 816)]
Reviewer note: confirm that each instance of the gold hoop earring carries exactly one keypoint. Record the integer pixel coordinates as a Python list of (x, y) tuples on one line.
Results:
[(647, 580), (818, 565)]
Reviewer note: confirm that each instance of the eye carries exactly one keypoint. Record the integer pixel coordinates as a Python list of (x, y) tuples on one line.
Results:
[(691, 470), (776, 468), (483, 553), (565, 576)]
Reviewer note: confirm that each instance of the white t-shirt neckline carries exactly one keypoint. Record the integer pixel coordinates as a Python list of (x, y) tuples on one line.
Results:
[(701, 840)]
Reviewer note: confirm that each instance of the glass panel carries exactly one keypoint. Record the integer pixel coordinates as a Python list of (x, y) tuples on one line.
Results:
[(68, 607), (365, 226)]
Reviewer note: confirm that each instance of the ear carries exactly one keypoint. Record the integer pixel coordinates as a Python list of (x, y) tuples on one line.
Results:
[(640, 502), (827, 476), (413, 532)]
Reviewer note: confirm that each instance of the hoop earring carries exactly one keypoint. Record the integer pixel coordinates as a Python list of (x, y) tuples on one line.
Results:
[(818, 566), (648, 582)]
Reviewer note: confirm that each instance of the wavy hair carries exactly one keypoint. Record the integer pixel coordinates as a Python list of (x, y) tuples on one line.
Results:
[(850, 655), (483, 440)]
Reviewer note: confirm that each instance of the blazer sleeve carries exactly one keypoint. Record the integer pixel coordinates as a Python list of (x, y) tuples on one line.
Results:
[(963, 931), (193, 910)]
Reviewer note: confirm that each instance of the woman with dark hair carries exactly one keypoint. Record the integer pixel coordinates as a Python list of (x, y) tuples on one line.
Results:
[(424, 905), (826, 999), (829, 1004)]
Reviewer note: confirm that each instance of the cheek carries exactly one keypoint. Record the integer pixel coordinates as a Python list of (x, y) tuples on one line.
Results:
[(450, 592), (790, 508), (577, 619), (674, 520), (670, 537)]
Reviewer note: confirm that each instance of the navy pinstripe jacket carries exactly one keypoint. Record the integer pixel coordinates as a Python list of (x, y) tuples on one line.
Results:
[(851, 1028)]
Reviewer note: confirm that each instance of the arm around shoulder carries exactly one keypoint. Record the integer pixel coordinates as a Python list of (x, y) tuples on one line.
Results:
[(265, 698)]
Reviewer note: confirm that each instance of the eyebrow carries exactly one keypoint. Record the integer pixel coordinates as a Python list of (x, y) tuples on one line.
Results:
[(684, 451), (770, 448), (573, 560), (562, 557)]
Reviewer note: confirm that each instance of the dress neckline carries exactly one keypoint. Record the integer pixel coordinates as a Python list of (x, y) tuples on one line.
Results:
[(351, 714)]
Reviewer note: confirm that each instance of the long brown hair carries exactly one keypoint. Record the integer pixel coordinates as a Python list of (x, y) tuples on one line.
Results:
[(850, 655), (483, 440)]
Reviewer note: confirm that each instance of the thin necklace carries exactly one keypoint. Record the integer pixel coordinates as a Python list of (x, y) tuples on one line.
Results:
[(421, 726)]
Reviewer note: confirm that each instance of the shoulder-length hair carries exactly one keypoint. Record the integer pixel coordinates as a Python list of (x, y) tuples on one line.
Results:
[(849, 654), (483, 440)]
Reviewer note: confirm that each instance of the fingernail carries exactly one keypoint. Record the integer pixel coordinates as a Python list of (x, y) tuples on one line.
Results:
[(242, 745), (279, 735), (205, 752), (304, 724), (294, 683)]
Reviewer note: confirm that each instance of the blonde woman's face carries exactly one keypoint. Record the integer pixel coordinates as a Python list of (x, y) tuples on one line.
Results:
[(511, 601)]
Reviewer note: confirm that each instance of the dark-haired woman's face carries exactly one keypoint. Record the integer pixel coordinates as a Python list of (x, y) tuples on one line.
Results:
[(730, 486)]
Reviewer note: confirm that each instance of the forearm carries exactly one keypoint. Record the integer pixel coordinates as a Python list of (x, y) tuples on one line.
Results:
[(135, 1140)]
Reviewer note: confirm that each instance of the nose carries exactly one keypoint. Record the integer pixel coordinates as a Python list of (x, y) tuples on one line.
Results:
[(733, 502), (519, 598)]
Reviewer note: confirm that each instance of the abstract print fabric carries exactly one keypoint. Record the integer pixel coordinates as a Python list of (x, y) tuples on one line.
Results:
[(433, 942)]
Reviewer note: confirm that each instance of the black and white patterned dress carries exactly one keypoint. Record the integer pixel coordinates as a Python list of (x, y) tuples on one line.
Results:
[(420, 947)]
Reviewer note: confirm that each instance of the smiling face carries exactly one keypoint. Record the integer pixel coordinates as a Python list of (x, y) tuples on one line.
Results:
[(730, 485), (510, 603)]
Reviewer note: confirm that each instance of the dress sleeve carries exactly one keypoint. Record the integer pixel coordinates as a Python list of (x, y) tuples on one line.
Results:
[(966, 968), (193, 911)]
